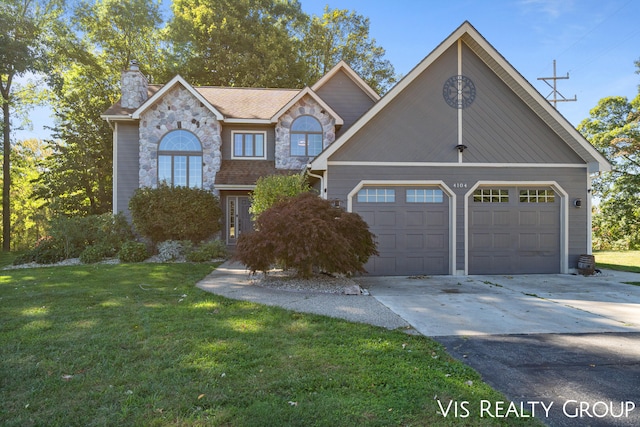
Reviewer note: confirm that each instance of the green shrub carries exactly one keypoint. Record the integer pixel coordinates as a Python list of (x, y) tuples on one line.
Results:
[(274, 188), (175, 213), (47, 251), (95, 253), (207, 251), (170, 250), (133, 252), (306, 233)]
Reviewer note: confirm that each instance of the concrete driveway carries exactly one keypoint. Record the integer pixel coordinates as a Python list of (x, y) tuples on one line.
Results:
[(525, 304), (566, 348)]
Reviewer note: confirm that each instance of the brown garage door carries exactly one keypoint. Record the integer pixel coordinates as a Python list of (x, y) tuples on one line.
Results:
[(514, 230), (411, 225)]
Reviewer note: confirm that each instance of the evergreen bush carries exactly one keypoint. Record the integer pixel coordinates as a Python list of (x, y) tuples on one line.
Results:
[(207, 251), (175, 213), (133, 251)]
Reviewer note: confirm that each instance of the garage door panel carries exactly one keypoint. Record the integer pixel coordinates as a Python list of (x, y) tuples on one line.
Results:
[(437, 241), (414, 219), (502, 241), (528, 218), (529, 241), (501, 218), (481, 218), (387, 240), (481, 240), (437, 219), (415, 241), (386, 219)]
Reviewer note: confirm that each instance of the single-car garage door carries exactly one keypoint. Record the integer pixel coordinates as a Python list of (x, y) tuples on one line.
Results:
[(411, 225), (514, 230)]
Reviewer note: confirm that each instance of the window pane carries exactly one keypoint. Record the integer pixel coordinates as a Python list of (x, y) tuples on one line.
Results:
[(307, 124), (237, 145), (315, 144), (423, 195), (491, 195), (180, 140), (195, 171), (377, 195), (298, 144), (164, 169), (180, 171), (259, 138), (248, 145)]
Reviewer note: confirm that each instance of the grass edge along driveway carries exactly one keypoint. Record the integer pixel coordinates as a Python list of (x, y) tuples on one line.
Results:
[(138, 344)]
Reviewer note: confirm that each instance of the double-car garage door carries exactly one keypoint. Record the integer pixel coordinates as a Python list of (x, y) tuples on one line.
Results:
[(511, 230)]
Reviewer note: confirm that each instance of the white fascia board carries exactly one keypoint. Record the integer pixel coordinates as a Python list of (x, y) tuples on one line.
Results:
[(248, 121), (234, 187), (175, 81), (117, 118), (458, 164), (352, 75), (307, 91)]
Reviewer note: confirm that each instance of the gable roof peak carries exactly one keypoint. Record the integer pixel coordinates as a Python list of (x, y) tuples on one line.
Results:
[(344, 67)]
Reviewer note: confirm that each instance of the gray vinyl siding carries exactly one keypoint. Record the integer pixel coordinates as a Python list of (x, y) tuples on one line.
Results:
[(227, 142), (345, 97), (417, 125), (127, 161), (499, 127), (343, 179)]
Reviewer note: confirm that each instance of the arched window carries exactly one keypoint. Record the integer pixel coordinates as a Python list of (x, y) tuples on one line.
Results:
[(180, 159), (306, 136)]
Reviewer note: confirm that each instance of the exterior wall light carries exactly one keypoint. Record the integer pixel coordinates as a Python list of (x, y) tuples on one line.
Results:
[(577, 203), (461, 147)]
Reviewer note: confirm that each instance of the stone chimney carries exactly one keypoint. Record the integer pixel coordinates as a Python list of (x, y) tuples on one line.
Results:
[(134, 87)]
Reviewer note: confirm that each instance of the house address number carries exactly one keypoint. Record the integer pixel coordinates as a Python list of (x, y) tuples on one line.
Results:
[(459, 185)]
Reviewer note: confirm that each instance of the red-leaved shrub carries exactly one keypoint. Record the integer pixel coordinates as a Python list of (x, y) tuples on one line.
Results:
[(305, 233)]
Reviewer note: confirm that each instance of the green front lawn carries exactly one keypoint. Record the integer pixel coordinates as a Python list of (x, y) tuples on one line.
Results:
[(618, 260), (140, 345)]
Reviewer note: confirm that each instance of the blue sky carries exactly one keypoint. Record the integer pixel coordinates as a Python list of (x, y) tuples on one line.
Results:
[(596, 42)]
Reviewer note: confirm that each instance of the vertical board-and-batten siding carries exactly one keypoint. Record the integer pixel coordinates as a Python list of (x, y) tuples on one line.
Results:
[(417, 125), (346, 98), (499, 127), (127, 165)]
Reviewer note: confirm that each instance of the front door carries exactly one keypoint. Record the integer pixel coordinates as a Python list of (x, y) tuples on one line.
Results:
[(238, 218)]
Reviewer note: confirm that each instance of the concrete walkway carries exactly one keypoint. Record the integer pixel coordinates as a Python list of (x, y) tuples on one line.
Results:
[(232, 280)]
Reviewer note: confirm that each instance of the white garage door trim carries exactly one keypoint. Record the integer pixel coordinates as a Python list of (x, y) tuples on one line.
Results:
[(564, 217), (416, 183)]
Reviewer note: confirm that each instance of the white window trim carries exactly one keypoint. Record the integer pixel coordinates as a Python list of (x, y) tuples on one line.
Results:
[(244, 132)]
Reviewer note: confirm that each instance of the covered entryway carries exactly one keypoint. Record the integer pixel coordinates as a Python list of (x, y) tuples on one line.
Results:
[(411, 224), (514, 230), (238, 217)]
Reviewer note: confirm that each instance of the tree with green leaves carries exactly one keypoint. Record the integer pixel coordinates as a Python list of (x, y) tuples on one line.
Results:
[(236, 42), (30, 35), (275, 188), (340, 34), (78, 175), (614, 129)]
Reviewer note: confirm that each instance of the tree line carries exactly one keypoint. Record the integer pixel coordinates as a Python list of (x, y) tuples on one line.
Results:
[(75, 52)]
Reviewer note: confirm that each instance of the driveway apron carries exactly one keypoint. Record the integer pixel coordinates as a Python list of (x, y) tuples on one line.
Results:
[(567, 343)]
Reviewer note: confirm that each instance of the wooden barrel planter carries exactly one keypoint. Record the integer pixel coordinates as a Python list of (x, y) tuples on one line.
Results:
[(586, 265)]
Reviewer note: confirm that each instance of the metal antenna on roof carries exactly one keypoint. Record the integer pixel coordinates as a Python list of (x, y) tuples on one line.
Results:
[(554, 88)]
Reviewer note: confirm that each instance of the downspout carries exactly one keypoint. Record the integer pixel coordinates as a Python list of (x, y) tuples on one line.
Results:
[(323, 192)]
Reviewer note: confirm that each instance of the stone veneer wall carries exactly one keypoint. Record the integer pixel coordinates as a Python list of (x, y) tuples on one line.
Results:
[(306, 106), (134, 87), (178, 109)]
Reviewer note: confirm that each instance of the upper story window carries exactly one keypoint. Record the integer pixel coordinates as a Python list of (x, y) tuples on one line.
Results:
[(249, 145), (180, 159), (306, 136)]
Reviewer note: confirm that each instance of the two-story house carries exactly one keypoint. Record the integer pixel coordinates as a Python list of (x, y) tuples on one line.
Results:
[(224, 138), (462, 168)]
